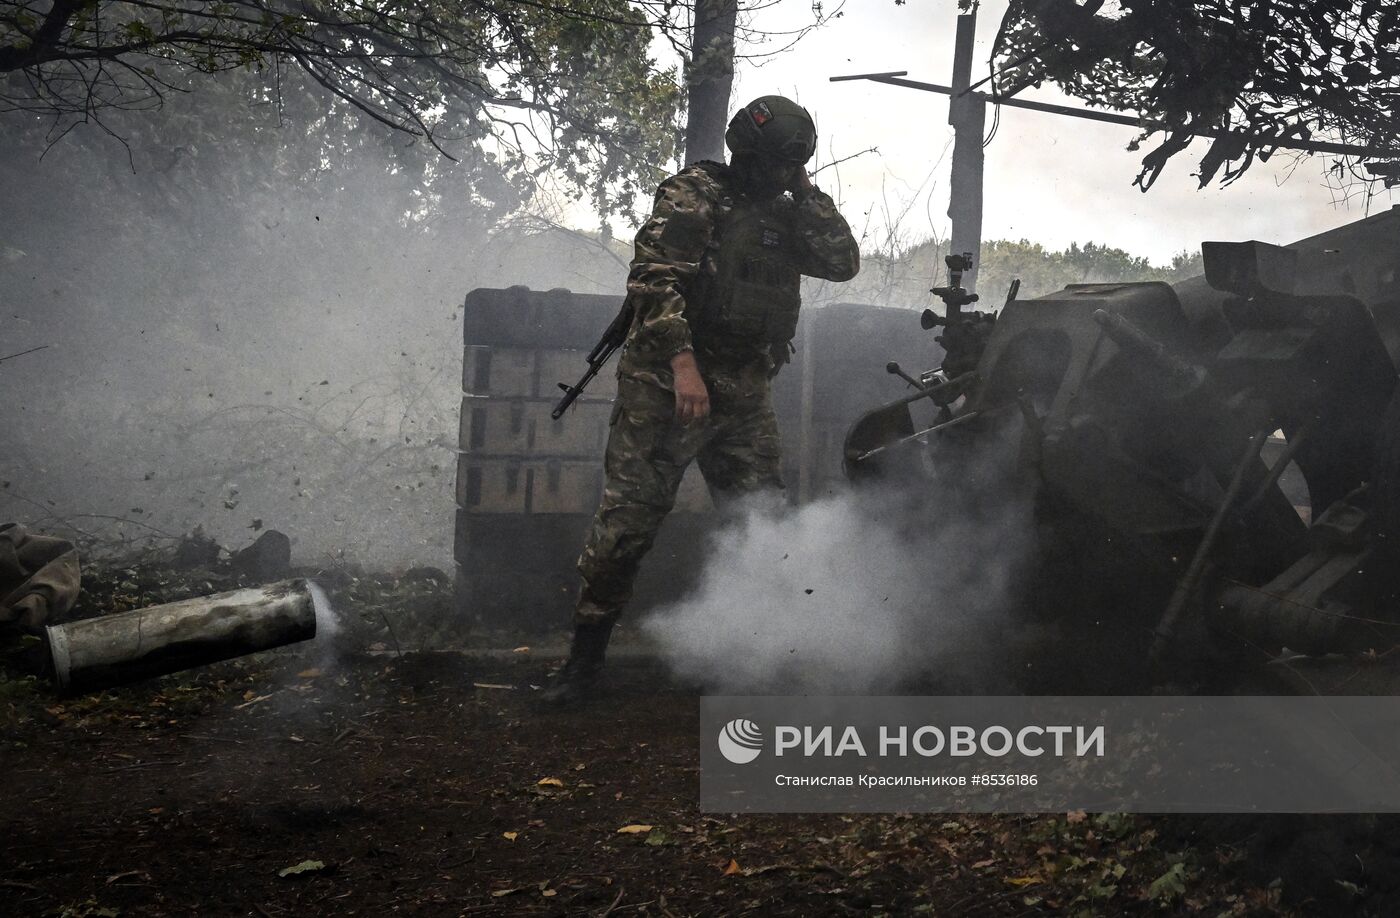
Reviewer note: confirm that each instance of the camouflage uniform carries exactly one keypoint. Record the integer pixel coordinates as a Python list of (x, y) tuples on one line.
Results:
[(737, 445)]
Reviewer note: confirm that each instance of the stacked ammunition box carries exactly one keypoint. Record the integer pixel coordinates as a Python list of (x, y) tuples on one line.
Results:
[(527, 485)]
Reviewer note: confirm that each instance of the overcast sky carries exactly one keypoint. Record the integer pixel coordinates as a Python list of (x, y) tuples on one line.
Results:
[(1050, 179)]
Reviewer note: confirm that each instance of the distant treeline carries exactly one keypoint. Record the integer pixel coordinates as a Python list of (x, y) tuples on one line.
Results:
[(903, 278)]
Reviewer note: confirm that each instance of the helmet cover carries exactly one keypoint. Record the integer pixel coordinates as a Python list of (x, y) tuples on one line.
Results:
[(774, 126)]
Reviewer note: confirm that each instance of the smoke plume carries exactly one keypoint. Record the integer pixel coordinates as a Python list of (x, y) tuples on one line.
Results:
[(865, 591)]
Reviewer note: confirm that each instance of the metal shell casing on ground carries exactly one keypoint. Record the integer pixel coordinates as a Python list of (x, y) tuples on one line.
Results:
[(116, 649)]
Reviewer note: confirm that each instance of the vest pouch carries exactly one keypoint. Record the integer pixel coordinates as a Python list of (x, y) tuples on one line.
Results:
[(751, 299), (746, 314), (782, 321), (783, 308)]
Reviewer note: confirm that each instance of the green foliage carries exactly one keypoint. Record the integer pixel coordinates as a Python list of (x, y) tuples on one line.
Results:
[(567, 85), (1262, 70)]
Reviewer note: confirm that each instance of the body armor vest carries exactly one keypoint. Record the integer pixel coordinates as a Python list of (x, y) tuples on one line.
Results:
[(748, 294)]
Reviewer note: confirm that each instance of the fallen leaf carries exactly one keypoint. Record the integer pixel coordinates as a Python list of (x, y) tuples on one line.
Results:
[(1103, 891), (733, 868), (987, 863), (91, 910), (1074, 817), (768, 868), (549, 782), (521, 649), (1023, 881), (549, 893), (657, 838), (510, 836), (1169, 885), (497, 893), (491, 685), (309, 673), (303, 867), (634, 829)]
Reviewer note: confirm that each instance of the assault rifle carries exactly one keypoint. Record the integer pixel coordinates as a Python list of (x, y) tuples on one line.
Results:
[(612, 339)]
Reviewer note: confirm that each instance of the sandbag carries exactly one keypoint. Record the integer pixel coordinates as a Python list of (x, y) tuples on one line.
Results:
[(39, 578)]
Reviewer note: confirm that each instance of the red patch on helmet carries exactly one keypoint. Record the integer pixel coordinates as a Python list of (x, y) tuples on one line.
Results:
[(761, 114)]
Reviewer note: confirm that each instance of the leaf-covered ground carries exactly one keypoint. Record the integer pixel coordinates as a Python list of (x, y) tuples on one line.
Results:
[(399, 781)]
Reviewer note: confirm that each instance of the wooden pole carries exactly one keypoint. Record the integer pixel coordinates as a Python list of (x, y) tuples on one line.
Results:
[(805, 459), (967, 113)]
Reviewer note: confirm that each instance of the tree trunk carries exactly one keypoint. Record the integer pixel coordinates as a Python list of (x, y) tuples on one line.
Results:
[(709, 76)]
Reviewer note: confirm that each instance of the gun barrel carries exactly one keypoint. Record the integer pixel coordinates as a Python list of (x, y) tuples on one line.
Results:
[(570, 394), (573, 392), (1131, 338)]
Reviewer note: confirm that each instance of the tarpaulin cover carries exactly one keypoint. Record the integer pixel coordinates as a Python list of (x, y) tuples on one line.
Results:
[(39, 577)]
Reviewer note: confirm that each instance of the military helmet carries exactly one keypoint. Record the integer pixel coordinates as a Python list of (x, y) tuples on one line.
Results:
[(773, 125)]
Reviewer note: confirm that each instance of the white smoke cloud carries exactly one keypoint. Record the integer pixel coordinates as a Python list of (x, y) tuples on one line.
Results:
[(864, 591), (328, 625)]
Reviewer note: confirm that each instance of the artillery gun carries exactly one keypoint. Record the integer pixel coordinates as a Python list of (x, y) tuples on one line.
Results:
[(1215, 464)]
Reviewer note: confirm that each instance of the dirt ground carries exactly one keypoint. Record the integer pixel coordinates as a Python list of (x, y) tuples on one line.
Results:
[(433, 783)]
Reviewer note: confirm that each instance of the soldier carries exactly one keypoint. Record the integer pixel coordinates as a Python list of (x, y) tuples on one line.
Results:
[(714, 289)]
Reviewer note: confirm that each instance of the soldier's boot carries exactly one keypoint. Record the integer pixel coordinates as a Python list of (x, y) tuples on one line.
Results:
[(580, 673)]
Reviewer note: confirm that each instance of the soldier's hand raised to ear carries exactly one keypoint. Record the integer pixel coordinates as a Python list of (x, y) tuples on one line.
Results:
[(692, 398), (800, 183)]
